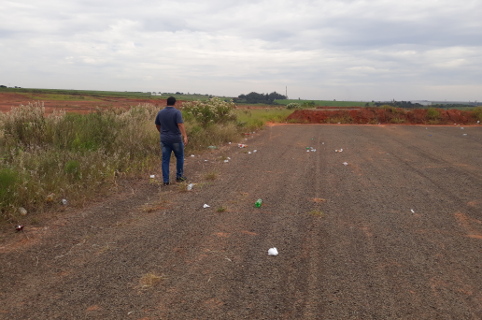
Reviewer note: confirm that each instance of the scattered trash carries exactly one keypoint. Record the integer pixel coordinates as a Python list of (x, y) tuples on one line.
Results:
[(18, 228), (413, 211), (307, 150), (254, 151), (152, 176), (226, 161), (478, 121), (229, 142), (464, 134), (339, 150), (313, 150), (22, 211), (206, 206), (50, 198), (258, 203), (190, 186), (345, 163), (192, 156), (212, 147), (64, 202), (228, 158), (462, 128), (249, 152), (242, 145), (272, 252)]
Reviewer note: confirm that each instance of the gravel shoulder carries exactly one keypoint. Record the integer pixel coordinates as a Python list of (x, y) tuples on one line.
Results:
[(396, 233)]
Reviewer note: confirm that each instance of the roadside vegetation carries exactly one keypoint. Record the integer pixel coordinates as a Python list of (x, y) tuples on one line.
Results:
[(48, 158)]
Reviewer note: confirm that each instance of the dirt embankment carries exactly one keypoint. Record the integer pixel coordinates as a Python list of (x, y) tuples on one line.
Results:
[(387, 227), (385, 116)]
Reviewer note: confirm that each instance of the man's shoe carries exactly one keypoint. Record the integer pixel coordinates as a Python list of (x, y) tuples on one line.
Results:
[(181, 179), (166, 183)]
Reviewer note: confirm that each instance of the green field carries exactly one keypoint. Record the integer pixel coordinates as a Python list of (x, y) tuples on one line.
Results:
[(325, 103), (93, 95)]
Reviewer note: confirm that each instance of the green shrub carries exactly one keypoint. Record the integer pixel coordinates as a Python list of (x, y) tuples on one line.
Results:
[(72, 168), (292, 106), (308, 104), (433, 114), (478, 113), (8, 182), (206, 113)]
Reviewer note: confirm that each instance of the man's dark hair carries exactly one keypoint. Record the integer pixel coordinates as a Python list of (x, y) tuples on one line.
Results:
[(171, 101)]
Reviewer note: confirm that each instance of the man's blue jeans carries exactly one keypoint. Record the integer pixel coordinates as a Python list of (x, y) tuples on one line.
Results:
[(167, 149)]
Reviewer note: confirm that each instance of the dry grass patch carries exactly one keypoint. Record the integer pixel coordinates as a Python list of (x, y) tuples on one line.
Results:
[(211, 176), (316, 213), (150, 280)]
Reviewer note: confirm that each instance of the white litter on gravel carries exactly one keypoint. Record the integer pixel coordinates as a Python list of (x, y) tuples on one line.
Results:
[(206, 206), (272, 252)]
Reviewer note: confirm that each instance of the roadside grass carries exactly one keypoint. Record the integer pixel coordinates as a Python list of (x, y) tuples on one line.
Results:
[(45, 158), (254, 119)]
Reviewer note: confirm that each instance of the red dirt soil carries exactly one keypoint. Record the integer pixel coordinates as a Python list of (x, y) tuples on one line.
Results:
[(10, 100), (385, 116)]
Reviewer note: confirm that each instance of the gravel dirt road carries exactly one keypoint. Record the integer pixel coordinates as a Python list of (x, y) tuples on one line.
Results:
[(394, 234)]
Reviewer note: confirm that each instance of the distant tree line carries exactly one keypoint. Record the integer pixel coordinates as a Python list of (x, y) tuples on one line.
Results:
[(4, 86), (255, 97), (453, 105)]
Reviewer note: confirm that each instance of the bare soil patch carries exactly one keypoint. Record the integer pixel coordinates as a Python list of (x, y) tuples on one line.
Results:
[(9, 100), (393, 234)]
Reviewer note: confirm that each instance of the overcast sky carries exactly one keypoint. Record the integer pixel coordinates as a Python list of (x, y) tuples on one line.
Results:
[(326, 49)]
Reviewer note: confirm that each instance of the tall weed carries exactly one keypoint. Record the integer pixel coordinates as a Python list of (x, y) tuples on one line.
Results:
[(45, 158), (70, 155)]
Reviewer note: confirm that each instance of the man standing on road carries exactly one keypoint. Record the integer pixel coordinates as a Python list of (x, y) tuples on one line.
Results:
[(170, 125)]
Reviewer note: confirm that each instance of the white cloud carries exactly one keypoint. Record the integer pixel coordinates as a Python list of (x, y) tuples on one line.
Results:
[(358, 49)]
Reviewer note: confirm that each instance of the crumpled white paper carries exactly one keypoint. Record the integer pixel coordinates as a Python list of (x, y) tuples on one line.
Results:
[(272, 252), (206, 206)]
